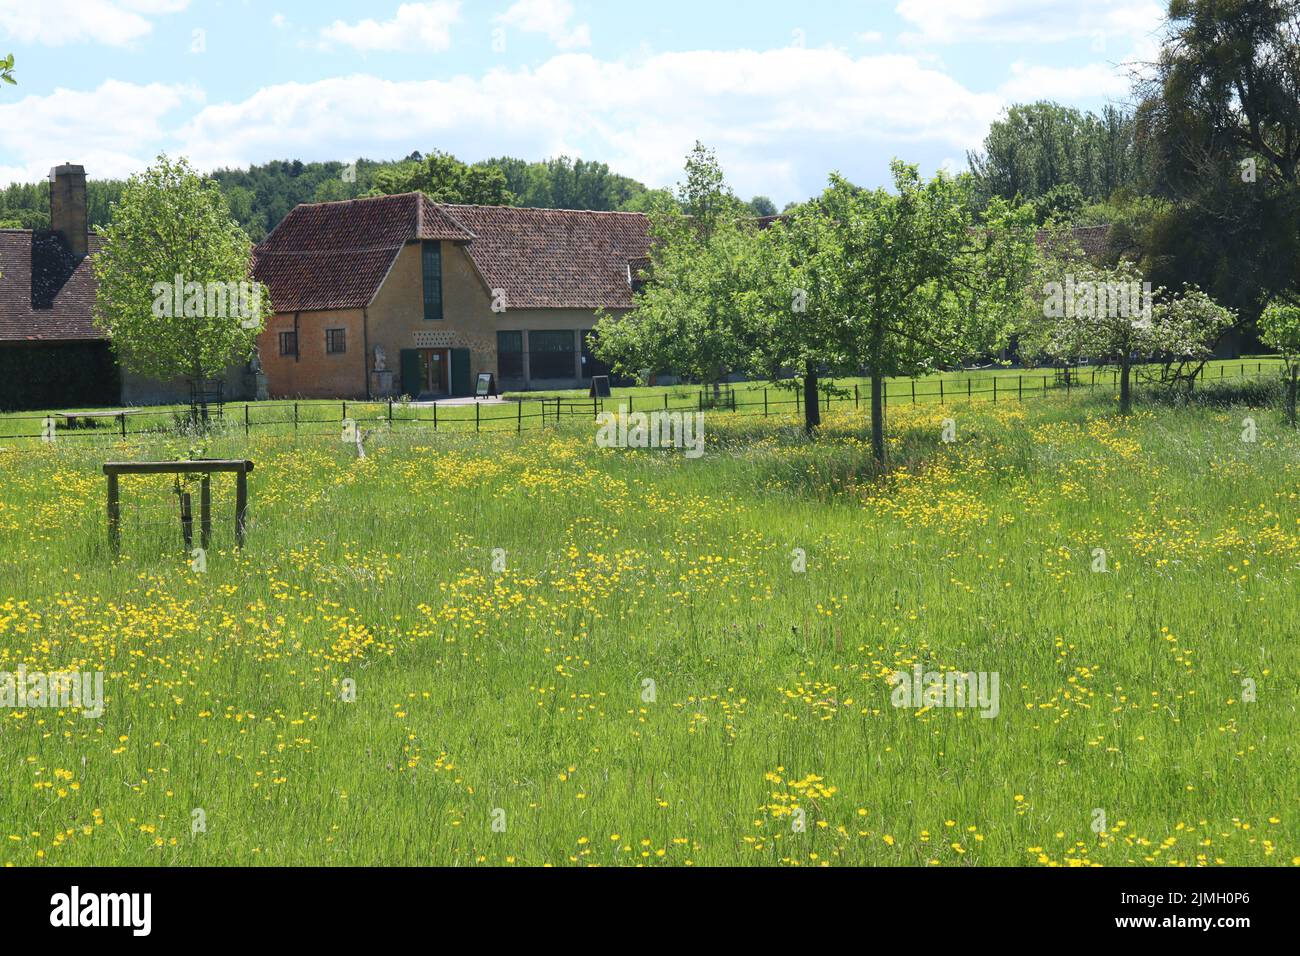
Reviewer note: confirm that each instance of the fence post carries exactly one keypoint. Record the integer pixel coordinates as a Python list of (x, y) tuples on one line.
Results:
[(246, 420), (968, 399), (477, 406), (122, 419), (1020, 388), (995, 389), (345, 412), (114, 516), (295, 416), (856, 403), (913, 391), (241, 505), (940, 391), (435, 416), (390, 413)]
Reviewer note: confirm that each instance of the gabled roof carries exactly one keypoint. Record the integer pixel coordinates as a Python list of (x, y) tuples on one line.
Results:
[(336, 255), (555, 258), (46, 293)]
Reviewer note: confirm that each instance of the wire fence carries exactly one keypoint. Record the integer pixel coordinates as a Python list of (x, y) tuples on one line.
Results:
[(531, 414)]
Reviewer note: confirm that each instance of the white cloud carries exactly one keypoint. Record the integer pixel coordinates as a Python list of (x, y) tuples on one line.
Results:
[(55, 22), (871, 36), (774, 116), (1031, 82), (550, 17), (1122, 24), (114, 130), (415, 27)]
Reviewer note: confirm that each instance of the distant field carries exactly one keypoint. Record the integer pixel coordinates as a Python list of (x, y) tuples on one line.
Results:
[(569, 655)]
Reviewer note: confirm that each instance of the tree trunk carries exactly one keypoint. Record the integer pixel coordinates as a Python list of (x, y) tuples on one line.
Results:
[(877, 417), (1125, 389), (812, 411), (1291, 388)]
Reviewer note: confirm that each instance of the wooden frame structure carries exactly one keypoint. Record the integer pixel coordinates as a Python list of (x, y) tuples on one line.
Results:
[(240, 468)]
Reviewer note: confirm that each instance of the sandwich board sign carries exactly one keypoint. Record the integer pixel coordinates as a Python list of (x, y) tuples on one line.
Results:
[(487, 385), (599, 386)]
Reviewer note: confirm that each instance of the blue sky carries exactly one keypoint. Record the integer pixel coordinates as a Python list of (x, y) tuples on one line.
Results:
[(785, 92)]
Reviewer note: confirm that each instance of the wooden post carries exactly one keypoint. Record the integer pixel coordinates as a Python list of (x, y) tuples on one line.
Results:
[(765, 402), (122, 419), (477, 406), (205, 512), (1020, 388), (968, 398), (940, 391), (913, 391), (519, 417), (295, 416), (245, 419), (390, 412), (995, 389), (856, 401), (435, 416), (114, 516), (187, 520), (241, 505)]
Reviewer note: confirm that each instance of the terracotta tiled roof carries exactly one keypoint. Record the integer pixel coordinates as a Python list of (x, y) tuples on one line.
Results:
[(336, 255), (46, 295), (1093, 240), (555, 258)]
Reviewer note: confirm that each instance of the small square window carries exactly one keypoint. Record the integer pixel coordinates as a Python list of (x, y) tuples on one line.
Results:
[(289, 343), (336, 341)]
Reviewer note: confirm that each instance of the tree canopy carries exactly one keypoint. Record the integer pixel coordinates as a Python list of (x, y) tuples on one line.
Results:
[(175, 291)]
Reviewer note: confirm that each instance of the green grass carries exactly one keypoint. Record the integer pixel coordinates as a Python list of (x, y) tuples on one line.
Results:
[(524, 690)]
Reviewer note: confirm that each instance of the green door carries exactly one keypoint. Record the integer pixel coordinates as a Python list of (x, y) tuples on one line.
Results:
[(461, 386), (411, 384)]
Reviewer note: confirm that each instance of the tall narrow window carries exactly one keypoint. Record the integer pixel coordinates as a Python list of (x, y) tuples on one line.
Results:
[(431, 258), (336, 341)]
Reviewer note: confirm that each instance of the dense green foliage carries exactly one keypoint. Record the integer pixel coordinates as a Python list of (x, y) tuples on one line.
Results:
[(175, 292)]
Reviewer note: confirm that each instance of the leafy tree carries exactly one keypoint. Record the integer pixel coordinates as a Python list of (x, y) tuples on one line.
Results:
[(7, 69), (444, 178), (918, 282), (1038, 147), (170, 227), (1222, 111), (761, 206), (689, 318), (793, 307), (1279, 328)]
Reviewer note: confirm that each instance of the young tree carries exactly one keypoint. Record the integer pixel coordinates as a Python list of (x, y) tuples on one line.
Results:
[(791, 305), (688, 318), (915, 281), (1279, 329), (176, 294)]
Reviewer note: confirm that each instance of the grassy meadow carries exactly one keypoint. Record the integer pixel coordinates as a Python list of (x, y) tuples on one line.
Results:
[(569, 655)]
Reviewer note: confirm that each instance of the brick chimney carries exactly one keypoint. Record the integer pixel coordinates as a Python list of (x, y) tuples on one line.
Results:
[(68, 207)]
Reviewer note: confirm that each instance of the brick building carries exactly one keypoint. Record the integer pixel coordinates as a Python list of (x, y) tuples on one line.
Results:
[(438, 294)]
